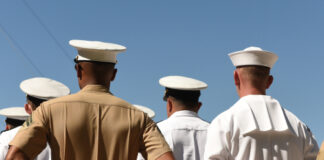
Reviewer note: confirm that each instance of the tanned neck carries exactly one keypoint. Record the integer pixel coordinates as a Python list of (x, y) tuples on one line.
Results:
[(93, 82), (251, 91), (181, 108)]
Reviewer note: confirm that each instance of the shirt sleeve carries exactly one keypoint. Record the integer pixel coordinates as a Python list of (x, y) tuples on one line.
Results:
[(320, 155), (310, 146), (154, 144), (32, 139), (218, 141), (3, 151), (3, 145)]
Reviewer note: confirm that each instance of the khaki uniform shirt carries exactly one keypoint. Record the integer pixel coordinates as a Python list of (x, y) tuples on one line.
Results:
[(320, 155), (91, 124)]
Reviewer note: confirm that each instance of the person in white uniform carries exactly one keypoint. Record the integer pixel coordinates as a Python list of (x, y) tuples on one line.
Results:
[(257, 127), (37, 90), (184, 130), (15, 116)]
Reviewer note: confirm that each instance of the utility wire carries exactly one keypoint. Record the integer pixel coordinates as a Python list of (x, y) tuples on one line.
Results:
[(48, 31), (18, 49)]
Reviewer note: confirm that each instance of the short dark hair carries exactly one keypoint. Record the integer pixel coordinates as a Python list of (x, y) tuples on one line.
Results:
[(98, 68), (255, 74), (14, 122), (189, 99), (35, 101)]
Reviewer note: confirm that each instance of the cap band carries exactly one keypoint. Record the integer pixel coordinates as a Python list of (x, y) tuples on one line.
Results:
[(14, 122)]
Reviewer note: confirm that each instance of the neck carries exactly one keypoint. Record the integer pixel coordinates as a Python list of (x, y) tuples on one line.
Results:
[(82, 85), (251, 91), (176, 109)]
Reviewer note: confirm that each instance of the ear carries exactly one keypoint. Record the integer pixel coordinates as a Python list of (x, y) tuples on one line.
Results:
[(28, 108), (78, 69), (236, 78), (269, 82), (8, 127), (169, 107), (114, 74), (198, 107)]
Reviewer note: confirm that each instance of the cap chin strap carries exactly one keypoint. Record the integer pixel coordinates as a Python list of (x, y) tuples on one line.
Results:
[(79, 58)]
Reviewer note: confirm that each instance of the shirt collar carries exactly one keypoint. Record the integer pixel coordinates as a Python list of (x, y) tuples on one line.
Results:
[(255, 96), (95, 88), (261, 113), (184, 113)]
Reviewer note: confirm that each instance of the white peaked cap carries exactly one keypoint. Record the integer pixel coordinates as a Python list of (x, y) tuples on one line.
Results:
[(182, 83), (44, 88), (96, 50), (253, 56), (146, 110), (17, 113)]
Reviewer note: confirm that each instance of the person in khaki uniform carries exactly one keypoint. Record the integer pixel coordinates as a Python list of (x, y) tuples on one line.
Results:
[(91, 124)]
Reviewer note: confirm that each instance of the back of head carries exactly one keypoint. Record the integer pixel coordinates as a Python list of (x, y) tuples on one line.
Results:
[(95, 72), (100, 69), (34, 102), (188, 99), (256, 76)]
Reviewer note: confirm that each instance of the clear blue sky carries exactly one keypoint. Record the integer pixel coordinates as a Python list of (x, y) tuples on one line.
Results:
[(190, 38)]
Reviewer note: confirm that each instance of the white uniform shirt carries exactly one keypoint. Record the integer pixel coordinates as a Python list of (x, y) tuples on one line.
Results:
[(185, 133), (7, 136), (258, 128)]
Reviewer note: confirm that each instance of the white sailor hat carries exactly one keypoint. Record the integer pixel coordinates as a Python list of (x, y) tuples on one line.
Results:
[(17, 113), (182, 83), (96, 51), (146, 110), (44, 88), (253, 56)]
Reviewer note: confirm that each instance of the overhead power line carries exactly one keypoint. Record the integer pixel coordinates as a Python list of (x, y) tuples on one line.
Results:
[(18, 49), (48, 31)]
